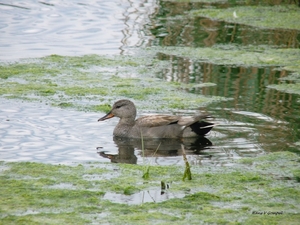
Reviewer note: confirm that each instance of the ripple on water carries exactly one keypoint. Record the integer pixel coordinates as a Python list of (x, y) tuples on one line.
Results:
[(33, 132), (19, 132), (37, 29), (31, 145), (33, 31)]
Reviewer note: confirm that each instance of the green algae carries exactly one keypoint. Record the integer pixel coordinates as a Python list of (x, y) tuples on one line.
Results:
[(247, 193), (288, 59), (288, 88), (93, 82), (216, 195), (284, 16)]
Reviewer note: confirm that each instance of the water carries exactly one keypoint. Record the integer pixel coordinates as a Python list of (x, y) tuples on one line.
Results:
[(256, 121), (40, 28), (33, 132), (142, 197)]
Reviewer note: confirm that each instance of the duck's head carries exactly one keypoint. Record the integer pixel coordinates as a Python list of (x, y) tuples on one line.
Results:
[(123, 109)]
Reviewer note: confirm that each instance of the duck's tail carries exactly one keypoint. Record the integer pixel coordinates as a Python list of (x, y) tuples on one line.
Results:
[(201, 128)]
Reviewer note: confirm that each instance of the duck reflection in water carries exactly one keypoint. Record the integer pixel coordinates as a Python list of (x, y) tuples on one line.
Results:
[(166, 147)]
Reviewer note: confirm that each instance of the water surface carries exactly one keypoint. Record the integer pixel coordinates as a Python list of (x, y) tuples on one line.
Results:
[(39, 28)]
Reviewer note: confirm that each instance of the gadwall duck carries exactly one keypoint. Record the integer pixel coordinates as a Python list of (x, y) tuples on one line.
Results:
[(155, 126)]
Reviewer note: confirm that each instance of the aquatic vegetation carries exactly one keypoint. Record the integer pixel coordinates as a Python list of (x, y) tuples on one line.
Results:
[(187, 171), (83, 82), (283, 16), (35, 192), (260, 190), (288, 88), (288, 59), (146, 174)]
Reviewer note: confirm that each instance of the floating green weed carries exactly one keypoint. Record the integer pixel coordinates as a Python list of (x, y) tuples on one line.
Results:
[(285, 16), (65, 105), (103, 108), (36, 193), (146, 174), (80, 82), (289, 88), (238, 55)]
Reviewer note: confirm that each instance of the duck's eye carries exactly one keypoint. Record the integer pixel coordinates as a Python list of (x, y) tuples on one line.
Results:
[(118, 106)]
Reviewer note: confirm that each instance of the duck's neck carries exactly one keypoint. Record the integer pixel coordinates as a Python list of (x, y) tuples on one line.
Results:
[(124, 127), (127, 121)]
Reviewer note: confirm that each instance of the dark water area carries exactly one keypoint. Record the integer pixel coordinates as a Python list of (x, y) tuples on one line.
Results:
[(255, 114), (256, 120)]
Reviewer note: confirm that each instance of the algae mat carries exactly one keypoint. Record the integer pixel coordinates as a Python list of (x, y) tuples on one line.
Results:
[(93, 82), (264, 190), (283, 17)]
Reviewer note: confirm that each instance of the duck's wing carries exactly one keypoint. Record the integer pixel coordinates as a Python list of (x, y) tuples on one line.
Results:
[(157, 120), (189, 120)]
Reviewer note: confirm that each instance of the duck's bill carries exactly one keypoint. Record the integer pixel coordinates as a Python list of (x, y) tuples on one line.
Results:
[(107, 116)]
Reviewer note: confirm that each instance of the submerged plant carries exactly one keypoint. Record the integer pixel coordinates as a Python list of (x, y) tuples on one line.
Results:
[(163, 187), (146, 173), (187, 172)]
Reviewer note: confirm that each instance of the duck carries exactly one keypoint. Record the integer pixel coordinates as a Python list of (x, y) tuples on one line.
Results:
[(155, 126)]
